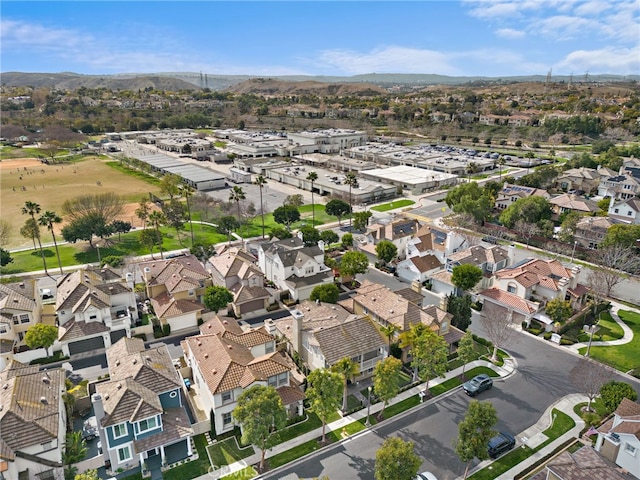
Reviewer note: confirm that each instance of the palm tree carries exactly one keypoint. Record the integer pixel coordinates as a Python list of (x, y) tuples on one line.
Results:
[(187, 191), (236, 195), (47, 219), (389, 331), (407, 340), (261, 182), (501, 162), (31, 209), (352, 181), (349, 370), (143, 210), (157, 218), (312, 177)]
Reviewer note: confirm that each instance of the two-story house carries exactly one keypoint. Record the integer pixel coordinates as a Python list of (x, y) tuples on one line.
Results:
[(590, 231), (488, 259), (386, 308), (95, 307), (620, 187), (294, 267), (176, 287), (497, 303), (570, 202), (20, 308), (582, 464), (32, 422), (619, 437), (583, 180), (226, 360), (399, 232), (426, 253), (511, 193), (323, 333), (140, 410), (625, 211), (236, 270), (542, 280)]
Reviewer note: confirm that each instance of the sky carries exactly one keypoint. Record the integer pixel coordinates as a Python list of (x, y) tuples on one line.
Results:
[(495, 38)]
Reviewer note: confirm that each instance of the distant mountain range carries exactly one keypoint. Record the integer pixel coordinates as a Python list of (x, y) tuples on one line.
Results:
[(190, 81)]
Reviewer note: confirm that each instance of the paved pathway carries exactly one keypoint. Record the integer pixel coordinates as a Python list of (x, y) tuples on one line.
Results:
[(628, 333)]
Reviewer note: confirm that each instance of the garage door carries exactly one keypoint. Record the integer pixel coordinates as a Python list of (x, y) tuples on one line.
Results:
[(117, 335), (87, 345), (183, 321)]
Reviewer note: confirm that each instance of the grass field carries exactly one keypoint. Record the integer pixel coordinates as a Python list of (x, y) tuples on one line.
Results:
[(50, 185), (385, 207)]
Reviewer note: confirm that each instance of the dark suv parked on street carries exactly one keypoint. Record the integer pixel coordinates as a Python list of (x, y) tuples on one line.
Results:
[(503, 442)]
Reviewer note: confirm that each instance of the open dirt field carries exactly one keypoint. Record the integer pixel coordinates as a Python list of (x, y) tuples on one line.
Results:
[(27, 179)]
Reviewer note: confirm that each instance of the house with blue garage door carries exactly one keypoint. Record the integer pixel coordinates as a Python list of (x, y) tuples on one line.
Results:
[(142, 418)]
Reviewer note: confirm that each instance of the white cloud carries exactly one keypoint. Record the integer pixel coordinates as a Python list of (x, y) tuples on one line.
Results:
[(498, 9), (595, 7), (390, 59), (21, 35), (510, 33), (565, 27), (622, 61)]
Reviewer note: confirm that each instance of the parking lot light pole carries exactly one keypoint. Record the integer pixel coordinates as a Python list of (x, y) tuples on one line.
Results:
[(367, 423)]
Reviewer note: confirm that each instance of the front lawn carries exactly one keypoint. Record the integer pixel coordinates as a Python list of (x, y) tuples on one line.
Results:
[(227, 452), (194, 468), (385, 207), (622, 357)]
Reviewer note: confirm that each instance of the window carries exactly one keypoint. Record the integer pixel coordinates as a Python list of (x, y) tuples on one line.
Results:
[(269, 348), (282, 378), (3, 328), (20, 336), (273, 382), (308, 270), (511, 289), (92, 317), (192, 293), (616, 210), (120, 430), (629, 212), (226, 418), (147, 424), (630, 449), (124, 454), (227, 397)]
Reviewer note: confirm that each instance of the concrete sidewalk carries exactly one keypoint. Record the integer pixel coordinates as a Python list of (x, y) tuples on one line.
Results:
[(219, 472), (628, 333)]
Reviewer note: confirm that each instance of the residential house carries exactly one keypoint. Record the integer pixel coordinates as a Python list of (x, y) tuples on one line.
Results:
[(427, 252), (542, 280), (140, 410), (399, 232), (488, 259), (619, 437), (590, 231), (570, 202), (625, 211), (583, 180), (226, 360), (386, 308), (176, 288), (95, 307), (294, 267), (622, 186), (323, 333), (511, 193), (32, 422), (20, 308), (497, 303), (236, 270), (585, 464)]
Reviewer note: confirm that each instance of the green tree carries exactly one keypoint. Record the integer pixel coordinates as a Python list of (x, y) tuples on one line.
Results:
[(261, 182), (613, 392), (530, 209), (30, 230), (428, 352), (41, 335), (296, 200), (88, 475), (5, 257), (311, 178), (157, 219), (310, 235), (237, 195), (31, 208), (396, 460), (460, 309), (337, 208), (286, 215), (474, 433), (347, 240), (170, 185), (327, 293), (559, 310), (351, 179), (143, 211), (176, 214), (120, 226), (280, 233), (349, 371), (217, 297), (568, 227), (203, 251), (466, 350), (150, 238), (389, 331), (75, 448), (324, 394), (361, 220), (47, 219), (621, 236), (329, 237), (90, 215), (353, 263), (472, 199), (466, 276), (226, 225), (386, 251), (386, 380), (260, 413)]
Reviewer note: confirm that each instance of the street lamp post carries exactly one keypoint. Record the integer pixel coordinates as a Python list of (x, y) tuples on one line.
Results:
[(98, 249), (591, 330), (367, 423), (575, 242)]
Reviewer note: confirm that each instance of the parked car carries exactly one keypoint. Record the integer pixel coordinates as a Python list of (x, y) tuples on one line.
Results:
[(503, 442), (426, 476), (478, 384)]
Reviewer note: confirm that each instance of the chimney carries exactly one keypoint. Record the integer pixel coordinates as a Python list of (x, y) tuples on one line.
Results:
[(270, 326), (612, 200), (297, 331), (98, 406), (416, 286), (511, 254)]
